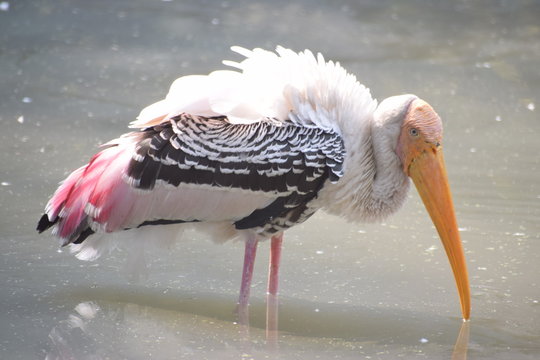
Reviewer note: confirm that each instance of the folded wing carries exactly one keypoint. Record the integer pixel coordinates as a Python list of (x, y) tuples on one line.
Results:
[(198, 169)]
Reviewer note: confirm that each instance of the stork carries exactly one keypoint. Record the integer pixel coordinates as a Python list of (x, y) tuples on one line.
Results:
[(251, 152)]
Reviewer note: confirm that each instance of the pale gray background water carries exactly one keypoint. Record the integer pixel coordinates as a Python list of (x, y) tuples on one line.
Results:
[(74, 73)]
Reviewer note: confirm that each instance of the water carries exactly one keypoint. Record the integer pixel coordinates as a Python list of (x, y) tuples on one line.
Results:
[(74, 73)]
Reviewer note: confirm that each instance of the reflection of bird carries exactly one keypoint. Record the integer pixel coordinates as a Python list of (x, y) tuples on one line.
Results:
[(249, 154)]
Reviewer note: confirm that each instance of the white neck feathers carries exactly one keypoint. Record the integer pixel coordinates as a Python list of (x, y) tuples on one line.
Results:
[(374, 185)]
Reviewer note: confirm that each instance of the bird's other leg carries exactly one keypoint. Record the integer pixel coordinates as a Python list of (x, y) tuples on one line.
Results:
[(250, 251), (272, 294)]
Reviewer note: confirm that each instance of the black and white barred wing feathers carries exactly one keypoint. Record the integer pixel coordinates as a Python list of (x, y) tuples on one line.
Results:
[(280, 163), (275, 158)]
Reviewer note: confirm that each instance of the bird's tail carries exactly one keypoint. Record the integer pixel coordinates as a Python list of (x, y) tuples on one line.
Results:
[(85, 200)]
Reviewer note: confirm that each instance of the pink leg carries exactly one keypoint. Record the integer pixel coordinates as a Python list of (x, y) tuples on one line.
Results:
[(271, 296), (250, 251), (275, 257)]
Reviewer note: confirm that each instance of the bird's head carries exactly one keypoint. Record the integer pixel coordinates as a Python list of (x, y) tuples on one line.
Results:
[(419, 148)]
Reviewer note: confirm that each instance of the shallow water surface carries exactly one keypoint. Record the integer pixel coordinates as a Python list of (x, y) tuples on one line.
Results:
[(74, 73)]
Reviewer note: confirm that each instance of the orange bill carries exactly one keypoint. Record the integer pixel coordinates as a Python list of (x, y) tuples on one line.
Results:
[(429, 176)]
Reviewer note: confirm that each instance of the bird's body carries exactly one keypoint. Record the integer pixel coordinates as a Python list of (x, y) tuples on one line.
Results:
[(250, 153), (220, 158)]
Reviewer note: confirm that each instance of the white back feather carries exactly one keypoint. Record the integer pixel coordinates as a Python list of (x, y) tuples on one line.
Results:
[(280, 85)]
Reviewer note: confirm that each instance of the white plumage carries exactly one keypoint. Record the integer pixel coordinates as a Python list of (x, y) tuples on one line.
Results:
[(269, 85)]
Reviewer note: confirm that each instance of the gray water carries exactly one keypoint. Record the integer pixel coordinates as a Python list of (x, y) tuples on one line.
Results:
[(74, 73)]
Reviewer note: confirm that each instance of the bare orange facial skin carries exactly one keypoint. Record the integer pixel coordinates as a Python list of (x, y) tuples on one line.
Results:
[(421, 131)]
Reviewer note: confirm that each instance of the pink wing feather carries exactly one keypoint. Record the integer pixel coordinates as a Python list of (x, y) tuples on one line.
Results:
[(84, 198)]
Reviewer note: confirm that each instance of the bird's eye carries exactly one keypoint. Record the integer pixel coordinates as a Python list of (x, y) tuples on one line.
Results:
[(413, 132)]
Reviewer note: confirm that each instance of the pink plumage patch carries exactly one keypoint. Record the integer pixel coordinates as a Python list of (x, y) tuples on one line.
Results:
[(86, 198)]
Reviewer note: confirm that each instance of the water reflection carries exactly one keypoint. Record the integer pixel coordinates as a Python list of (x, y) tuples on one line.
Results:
[(134, 325), (462, 342), (66, 337)]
